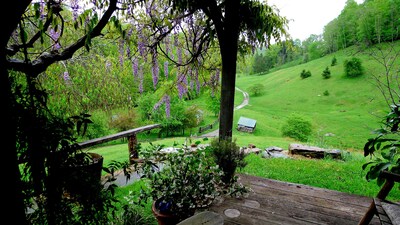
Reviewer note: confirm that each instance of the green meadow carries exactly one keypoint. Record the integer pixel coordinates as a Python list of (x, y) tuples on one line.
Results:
[(348, 109)]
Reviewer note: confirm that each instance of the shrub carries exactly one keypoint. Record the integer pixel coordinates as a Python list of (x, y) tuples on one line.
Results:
[(326, 93), (326, 74), (353, 67), (229, 157), (256, 89), (123, 121), (304, 74), (334, 61), (297, 127), (98, 128)]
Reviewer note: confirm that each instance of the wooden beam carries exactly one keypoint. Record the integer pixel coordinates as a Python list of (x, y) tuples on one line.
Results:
[(116, 136)]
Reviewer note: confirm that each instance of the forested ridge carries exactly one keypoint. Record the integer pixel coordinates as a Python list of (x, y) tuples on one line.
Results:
[(366, 24)]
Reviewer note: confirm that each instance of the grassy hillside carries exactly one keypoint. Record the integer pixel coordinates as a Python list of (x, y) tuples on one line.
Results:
[(351, 111), (353, 108)]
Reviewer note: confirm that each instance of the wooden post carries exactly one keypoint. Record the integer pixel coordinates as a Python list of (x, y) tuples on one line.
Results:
[(132, 144), (389, 183)]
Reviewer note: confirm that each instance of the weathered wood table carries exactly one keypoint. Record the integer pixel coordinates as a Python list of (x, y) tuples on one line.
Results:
[(277, 202)]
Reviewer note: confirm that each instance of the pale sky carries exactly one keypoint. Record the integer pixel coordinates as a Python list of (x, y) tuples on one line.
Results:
[(308, 16)]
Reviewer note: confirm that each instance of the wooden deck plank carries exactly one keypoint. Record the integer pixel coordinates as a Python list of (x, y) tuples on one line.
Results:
[(310, 202), (277, 202), (307, 190)]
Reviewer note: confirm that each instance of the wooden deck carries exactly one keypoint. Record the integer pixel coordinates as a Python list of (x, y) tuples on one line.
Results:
[(276, 202)]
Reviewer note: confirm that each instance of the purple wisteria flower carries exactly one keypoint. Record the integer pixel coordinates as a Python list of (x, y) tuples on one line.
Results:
[(217, 73), (66, 77), (140, 79), (158, 104), (75, 8), (166, 42), (108, 65), (41, 9), (164, 100), (135, 65), (167, 101), (54, 36), (141, 44), (166, 69)]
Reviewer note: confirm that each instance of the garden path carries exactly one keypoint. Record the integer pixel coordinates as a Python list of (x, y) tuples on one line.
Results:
[(243, 104)]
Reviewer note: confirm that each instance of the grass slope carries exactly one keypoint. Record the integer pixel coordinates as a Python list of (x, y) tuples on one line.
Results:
[(353, 108)]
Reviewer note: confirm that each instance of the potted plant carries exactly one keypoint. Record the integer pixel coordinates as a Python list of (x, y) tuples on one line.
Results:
[(71, 190), (180, 183)]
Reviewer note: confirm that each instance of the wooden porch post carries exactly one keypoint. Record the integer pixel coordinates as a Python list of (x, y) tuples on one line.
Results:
[(132, 144)]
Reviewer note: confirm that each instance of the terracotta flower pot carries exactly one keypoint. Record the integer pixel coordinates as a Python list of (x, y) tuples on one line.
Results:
[(164, 218)]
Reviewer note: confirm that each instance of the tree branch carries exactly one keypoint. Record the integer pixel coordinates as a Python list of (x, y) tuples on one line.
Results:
[(40, 65)]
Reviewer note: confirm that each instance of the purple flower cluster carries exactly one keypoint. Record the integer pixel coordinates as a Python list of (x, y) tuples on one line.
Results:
[(150, 7), (108, 65), (41, 9), (75, 8), (140, 79), (167, 101), (181, 85), (164, 100), (54, 36), (166, 69), (141, 44), (217, 73), (166, 42), (135, 65), (66, 77)]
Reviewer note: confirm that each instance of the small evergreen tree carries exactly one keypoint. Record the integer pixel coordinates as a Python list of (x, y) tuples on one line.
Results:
[(304, 74), (326, 74), (353, 67), (334, 61)]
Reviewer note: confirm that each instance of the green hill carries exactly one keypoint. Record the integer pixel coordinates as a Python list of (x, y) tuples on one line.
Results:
[(353, 108)]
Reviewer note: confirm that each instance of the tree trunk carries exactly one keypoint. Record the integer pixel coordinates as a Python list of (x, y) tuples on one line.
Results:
[(228, 38), (16, 211)]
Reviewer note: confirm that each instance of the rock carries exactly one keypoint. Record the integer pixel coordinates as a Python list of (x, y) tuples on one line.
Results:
[(314, 152), (250, 150), (252, 146), (274, 149), (273, 154)]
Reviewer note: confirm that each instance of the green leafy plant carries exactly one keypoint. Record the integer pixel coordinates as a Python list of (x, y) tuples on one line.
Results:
[(387, 144), (353, 67), (132, 213), (180, 182), (305, 74), (297, 127), (184, 180), (229, 157)]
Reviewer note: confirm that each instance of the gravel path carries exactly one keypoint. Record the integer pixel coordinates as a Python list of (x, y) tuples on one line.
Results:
[(243, 104)]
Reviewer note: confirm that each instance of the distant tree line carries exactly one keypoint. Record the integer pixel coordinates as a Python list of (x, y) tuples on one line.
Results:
[(372, 22)]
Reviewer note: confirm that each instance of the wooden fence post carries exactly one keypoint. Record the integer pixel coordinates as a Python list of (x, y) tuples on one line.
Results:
[(132, 144)]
